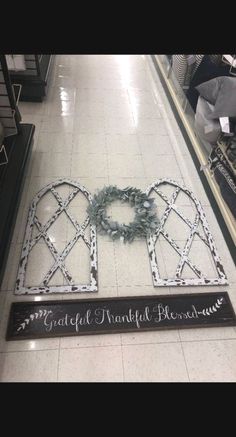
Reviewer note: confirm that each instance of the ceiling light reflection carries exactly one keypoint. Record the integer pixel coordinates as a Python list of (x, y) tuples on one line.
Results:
[(37, 298), (126, 78), (32, 344), (63, 94)]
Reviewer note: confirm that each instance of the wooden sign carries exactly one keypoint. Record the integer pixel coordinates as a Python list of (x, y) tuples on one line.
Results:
[(113, 315)]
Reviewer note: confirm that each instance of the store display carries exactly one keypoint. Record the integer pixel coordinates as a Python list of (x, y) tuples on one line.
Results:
[(139, 136), (145, 224), (8, 108), (185, 254), (215, 123), (207, 124), (145, 220), (109, 316), (34, 225)]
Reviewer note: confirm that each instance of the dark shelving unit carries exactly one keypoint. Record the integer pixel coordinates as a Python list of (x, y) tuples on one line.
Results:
[(34, 80), (15, 147), (12, 175)]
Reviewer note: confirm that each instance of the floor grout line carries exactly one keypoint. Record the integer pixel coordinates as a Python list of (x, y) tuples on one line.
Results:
[(121, 344), (58, 360), (185, 361), (122, 357), (28, 351)]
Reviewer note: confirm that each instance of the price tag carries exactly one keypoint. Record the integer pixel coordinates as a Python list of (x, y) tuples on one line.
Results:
[(224, 122)]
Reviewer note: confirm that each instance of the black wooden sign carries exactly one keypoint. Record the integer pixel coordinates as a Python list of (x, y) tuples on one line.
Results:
[(113, 315)]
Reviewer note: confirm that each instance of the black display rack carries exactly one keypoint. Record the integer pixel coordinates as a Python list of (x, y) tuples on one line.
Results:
[(34, 80), (17, 144)]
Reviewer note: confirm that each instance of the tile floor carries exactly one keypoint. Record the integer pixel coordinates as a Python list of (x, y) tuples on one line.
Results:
[(106, 120)]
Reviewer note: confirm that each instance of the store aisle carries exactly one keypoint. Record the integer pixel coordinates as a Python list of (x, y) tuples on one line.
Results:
[(106, 120)]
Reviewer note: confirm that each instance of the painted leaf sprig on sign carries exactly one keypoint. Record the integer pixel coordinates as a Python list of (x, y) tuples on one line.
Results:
[(213, 309), (38, 315)]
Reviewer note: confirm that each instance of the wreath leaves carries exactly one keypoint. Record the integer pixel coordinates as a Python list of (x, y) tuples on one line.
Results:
[(145, 220), (39, 314)]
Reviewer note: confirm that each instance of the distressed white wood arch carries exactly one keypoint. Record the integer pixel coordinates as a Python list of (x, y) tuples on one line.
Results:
[(59, 258), (200, 217)]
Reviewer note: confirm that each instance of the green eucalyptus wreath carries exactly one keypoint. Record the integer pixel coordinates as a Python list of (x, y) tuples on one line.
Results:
[(145, 220)]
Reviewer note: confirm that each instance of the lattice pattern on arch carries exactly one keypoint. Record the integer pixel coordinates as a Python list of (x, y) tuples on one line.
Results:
[(59, 258), (184, 254)]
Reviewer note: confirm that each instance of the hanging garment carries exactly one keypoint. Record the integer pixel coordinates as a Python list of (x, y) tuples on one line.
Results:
[(208, 69), (16, 62), (207, 128), (184, 66)]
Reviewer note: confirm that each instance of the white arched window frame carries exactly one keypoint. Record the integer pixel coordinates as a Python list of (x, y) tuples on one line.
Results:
[(59, 258), (200, 217)]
